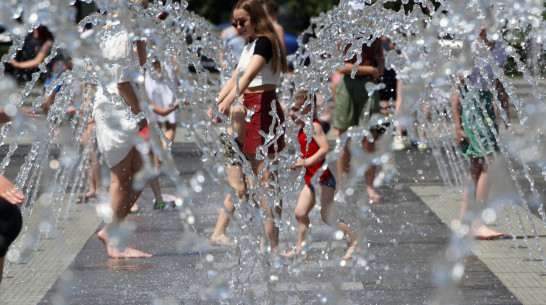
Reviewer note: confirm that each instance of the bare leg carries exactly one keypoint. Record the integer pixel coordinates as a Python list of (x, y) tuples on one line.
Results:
[(94, 181), (476, 188), (170, 131), (469, 191), (306, 202), (219, 237), (466, 197), (154, 184), (343, 162), (271, 230), (236, 179), (93, 168), (48, 102), (122, 198), (156, 189), (369, 147), (482, 189), (326, 201)]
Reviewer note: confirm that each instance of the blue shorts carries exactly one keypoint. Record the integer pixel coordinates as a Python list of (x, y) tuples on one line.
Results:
[(49, 80), (329, 182)]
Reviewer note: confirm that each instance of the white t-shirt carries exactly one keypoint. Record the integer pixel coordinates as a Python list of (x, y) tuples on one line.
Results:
[(477, 80)]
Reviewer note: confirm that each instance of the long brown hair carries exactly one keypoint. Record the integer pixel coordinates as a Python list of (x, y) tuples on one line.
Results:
[(262, 26)]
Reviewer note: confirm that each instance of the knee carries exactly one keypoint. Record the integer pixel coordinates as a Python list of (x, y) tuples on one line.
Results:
[(301, 215), (240, 190), (228, 206)]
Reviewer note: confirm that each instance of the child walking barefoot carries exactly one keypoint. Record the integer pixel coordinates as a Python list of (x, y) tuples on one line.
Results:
[(313, 153)]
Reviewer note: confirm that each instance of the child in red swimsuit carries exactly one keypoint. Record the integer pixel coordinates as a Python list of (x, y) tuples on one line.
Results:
[(313, 152)]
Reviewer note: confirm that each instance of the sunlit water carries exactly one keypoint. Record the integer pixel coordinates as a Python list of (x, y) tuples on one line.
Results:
[(427, 62)]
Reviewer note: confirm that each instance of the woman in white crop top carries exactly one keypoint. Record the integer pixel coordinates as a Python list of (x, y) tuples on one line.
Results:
[(257, 74)]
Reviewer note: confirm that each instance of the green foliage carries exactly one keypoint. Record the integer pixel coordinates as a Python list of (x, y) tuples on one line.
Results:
[(216, 11), (296, 14)]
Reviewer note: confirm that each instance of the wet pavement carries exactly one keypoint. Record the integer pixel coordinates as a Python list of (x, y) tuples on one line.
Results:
[(405, 239)]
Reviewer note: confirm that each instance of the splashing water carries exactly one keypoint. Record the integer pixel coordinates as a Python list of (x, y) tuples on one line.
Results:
[(426, 64)]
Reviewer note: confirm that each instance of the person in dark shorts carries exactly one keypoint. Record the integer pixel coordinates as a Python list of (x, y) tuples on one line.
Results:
[(235, 176), (10, 216), (313, 153), (10, 226)]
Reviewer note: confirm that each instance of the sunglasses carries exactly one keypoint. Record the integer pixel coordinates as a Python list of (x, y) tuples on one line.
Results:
[(240, 23)]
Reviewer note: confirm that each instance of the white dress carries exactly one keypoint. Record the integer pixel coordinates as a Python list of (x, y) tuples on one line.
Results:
[(162, 96), (115, 124)]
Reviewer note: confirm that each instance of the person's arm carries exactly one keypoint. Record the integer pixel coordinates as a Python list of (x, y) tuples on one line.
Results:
[(256, 64), (32, 63), (141, 51), (228, 86), (380, 58), (164, 111), (129, 96), (362, 70), (322, 143), (399, 97), (456, 107)]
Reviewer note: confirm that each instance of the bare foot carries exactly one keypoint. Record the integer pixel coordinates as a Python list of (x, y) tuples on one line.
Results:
[(290, 254), (485, 233), (352, 249), (134, 209), (293, 254), (113, 252), (87, 197), (374, 197), (221, 240)]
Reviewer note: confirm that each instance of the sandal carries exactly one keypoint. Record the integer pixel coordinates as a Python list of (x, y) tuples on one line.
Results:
[(159, 205)]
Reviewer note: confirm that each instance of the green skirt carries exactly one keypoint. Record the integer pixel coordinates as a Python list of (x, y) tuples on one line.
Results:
[(477, 125)]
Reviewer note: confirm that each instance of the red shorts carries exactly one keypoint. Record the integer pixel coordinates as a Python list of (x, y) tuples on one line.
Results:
[(261, 120), (145, 133)]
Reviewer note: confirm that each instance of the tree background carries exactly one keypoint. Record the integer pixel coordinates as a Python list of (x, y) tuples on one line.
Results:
[(294, 14)]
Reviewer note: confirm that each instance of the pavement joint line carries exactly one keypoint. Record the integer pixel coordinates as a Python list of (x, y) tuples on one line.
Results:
[(27, 283), (513, 268)]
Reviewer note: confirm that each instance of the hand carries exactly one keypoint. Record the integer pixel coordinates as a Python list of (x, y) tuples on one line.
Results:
[(224, 108), (375, 73), (213, 117), (461, 135), (14, 63), (9, 192), (176, 105), (299, 164), (29, 113)]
